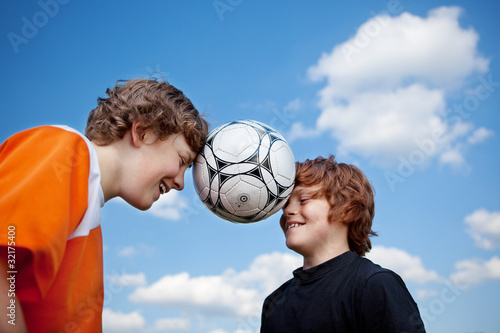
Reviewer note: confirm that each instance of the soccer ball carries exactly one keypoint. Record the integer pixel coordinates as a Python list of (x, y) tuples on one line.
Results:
[(245, 172)]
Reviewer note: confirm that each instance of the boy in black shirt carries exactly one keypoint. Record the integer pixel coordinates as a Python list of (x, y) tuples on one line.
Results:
[(328, 221)]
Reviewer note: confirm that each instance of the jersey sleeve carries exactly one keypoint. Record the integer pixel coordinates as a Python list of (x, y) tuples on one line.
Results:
[(387, 306), (44, 180)]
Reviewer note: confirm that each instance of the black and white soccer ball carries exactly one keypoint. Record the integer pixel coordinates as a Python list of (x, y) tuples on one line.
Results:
[(245, 172)]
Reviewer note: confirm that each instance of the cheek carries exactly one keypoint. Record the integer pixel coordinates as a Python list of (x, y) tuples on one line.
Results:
[(171, 169), (325, 210), (316, 214), (282, 223), (141, 181), (141, 188)]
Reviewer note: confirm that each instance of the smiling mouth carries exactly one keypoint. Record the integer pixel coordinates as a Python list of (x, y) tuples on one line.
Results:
[(163, 188), (293, 225)]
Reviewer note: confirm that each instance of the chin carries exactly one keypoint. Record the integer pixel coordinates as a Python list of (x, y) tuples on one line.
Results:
[(292, 246), (140, 205), (145, 207)]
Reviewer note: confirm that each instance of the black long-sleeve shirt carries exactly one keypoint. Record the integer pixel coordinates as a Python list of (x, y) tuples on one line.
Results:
[(346, 294)]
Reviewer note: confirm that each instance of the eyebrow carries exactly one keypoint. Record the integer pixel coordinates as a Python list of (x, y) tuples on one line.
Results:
[(305, 189), (312, 190)]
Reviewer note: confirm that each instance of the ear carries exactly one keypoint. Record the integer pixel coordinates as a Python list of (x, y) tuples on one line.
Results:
[(135, 134), (141, 136)]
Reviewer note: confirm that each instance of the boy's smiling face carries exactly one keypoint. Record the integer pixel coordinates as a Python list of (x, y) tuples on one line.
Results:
[(305, 219), (159, 167), (306, 225)]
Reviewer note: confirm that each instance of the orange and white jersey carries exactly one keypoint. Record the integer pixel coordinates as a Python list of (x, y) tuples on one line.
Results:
[(50, 199)]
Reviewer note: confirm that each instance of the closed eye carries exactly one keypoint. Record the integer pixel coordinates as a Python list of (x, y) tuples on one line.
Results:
[(189, 163), (305, 200)]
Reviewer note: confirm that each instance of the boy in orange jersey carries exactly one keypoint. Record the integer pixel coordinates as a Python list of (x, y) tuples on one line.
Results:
[(137, 145), (328, 220)]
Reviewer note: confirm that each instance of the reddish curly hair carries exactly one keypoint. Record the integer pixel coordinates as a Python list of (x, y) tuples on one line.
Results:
[(155, 105), (349, 193)]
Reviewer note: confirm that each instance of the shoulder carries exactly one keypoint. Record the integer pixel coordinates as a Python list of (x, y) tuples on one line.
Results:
[(381, 285), (386, 302), (43, 139), (375, 272), (365, 270), (59, 154), (48, 130), (369, 267), (40, 139), (374, 275), (375, 283), (275, 300)]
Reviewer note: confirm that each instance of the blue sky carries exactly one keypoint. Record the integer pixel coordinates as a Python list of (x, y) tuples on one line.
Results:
[(407, 90)]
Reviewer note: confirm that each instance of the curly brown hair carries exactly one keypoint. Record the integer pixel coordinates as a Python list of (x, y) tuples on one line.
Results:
[(155, 105), (349, 193)]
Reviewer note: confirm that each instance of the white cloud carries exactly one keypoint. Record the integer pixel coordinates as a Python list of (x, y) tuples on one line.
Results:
[(132, 251), (169, 206), (374, 121), (172, 324), (122, 322), (298, 131), (209, 294), (474, 271), (386, 87), (128, 251), (426, 293), (128, 280), (452, 157), (480, 135), (484, 227), (409, 267), (434, 50), (235, 294), (267, 271)]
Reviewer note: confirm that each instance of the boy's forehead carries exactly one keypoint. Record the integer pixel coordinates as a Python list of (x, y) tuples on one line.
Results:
[(307, 188), (179, 140)]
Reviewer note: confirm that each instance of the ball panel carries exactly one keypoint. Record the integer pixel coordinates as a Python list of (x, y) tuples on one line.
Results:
[(201, 177), (235, 143), (282, 163), (270, 182), (214, 190), (247, 167), (210, 158), (243, 195)]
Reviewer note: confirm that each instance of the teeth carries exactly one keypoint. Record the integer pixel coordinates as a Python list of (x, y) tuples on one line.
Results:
[(163, 188), (293, 225)]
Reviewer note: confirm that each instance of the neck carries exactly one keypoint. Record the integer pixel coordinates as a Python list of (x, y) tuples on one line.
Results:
[(330, 252), (110, 172)]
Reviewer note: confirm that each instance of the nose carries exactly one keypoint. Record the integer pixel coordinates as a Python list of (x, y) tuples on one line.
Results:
[(290, 208), (179, 181)]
